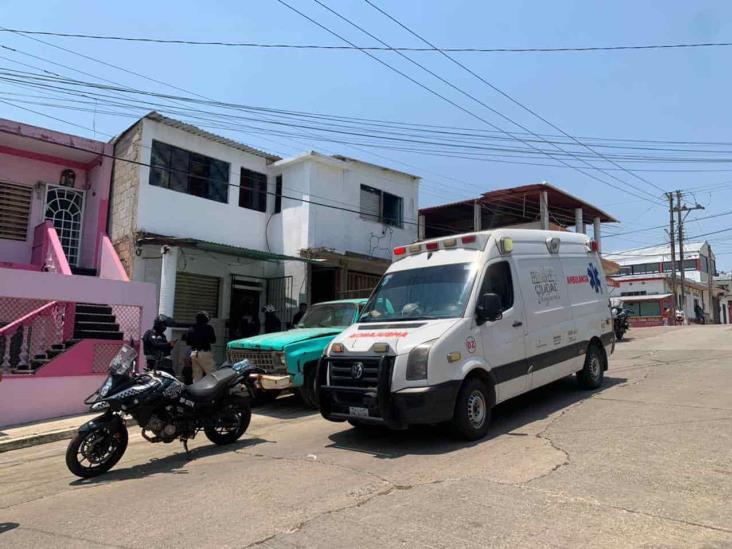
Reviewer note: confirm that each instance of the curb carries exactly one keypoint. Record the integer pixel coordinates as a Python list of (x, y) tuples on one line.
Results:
[(44, 438), (35, 440)]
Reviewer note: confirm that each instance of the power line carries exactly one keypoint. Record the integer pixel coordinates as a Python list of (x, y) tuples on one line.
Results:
[(439, 95), (369, 48), (140, 75), (509, 96), (471, 96)]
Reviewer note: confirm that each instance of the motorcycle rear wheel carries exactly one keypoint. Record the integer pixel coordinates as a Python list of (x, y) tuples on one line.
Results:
[(100, 448), (232, 422)]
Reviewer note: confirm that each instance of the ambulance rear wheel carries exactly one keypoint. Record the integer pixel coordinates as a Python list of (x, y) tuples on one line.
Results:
[(472, 415), (592, 374)]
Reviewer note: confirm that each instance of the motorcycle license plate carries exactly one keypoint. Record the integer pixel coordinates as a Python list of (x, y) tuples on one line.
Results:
[(358, 412)]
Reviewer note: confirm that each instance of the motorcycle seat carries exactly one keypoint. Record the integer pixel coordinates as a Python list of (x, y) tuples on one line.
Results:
[(210, 385)]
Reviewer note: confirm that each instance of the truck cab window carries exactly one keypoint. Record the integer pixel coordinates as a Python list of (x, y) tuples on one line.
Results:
[(498, 281)]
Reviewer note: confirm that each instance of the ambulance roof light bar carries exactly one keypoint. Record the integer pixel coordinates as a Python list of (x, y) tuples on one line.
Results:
[(467, 240)]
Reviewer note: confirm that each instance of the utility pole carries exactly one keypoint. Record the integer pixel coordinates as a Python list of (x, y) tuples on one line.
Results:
[(672, 236), (679, 208), (681, 256)]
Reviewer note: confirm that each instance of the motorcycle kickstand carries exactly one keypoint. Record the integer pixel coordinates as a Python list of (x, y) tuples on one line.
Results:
[(185, 447)]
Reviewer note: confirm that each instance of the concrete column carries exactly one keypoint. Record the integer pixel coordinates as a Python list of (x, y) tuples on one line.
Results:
[(597, 233), (167, 280), (477, 209), (420, 228), (544, 210), (579, 221)]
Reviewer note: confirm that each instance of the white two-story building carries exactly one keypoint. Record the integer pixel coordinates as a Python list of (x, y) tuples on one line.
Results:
[(225, 228), (644, 281)]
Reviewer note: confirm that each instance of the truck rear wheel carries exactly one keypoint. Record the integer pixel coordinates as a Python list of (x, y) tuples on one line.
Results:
[(472, 415), (592, 374)]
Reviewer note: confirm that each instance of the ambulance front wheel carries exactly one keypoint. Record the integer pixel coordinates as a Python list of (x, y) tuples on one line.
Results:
[(472, 415)]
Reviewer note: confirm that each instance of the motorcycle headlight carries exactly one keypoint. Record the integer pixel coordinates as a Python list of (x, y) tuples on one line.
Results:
[(417, 361), (106, 387)]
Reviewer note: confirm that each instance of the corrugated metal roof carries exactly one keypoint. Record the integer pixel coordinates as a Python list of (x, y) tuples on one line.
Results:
[(558, 198), (146, 238), (654, 254), (634, 298), (190, 128)]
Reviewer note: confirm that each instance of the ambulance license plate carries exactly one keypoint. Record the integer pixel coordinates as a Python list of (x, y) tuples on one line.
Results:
[(357, 411)]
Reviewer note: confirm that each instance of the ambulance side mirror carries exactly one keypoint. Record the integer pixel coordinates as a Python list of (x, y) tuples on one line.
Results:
[(489, 308)]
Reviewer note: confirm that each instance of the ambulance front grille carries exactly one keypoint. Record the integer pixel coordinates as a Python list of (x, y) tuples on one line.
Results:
[(348, 373)]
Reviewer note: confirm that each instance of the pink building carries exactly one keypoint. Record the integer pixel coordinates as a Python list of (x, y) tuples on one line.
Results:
[(66, 305)]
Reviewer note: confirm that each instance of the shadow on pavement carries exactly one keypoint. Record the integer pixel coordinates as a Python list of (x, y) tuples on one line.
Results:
[(7, 526), (175, 463), (289, 406), (507, 416)]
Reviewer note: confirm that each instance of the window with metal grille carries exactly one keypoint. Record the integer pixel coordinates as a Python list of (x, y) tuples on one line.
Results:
[(188, 172), (378, 205), (195, 293), (15, 205), (253, 190)]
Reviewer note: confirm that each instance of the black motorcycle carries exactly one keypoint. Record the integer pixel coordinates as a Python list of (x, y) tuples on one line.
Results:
[(621, 323), (165, 408)]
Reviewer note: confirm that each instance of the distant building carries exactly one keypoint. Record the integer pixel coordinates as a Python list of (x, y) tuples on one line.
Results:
[(723, 285), (220, 226), (645, 279), (537, 206)]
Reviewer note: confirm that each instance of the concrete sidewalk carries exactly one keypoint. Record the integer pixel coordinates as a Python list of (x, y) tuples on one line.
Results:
[(41, 432)]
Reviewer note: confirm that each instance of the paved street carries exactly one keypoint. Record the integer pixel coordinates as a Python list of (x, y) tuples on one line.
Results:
[(644, 461)]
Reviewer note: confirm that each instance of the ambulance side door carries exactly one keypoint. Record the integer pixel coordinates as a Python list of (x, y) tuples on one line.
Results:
[(503, 339)]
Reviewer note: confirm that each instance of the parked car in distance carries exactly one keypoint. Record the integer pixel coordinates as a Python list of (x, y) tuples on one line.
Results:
[(289, 359)]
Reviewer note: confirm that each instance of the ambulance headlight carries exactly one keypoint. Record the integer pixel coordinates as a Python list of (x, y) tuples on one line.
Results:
[(417, 361)]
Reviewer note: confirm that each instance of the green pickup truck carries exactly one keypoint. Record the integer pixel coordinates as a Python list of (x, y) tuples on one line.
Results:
[(288, 359)]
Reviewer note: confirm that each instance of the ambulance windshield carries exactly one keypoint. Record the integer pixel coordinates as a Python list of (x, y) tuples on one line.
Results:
[(420, 294)]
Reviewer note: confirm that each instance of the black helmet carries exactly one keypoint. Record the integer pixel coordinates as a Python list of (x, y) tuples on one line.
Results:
[(202, 317), (162, 322)]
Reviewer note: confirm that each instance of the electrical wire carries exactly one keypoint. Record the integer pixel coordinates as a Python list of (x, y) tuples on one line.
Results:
[(370, 48), (510, 97), (439, 95)]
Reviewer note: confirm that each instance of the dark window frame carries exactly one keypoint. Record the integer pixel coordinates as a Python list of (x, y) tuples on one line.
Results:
[(382, 217), (252, 190), (196, 174), (278, 194), (507, 299)]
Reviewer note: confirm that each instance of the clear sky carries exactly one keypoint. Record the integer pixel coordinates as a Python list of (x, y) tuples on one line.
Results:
[(668, 95)]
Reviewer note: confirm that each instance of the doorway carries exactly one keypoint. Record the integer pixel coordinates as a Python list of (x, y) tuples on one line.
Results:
[(244, 308), (323, 284), (65, 209)]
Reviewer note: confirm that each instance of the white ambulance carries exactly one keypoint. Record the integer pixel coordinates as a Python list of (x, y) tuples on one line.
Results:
[(459, 324)]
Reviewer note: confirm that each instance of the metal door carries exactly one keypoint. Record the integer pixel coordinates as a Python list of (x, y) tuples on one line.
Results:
[(65, 209)]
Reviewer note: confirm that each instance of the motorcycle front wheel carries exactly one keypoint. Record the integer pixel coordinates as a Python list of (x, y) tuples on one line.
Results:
[(231, 422), (95, 452)]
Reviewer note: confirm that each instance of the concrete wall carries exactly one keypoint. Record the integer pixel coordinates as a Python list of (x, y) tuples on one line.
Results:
[(648, 286), (148, 267), (26, 171), (171, 213), (31, 164), (123, 198), (23, 400), (347, 231)]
